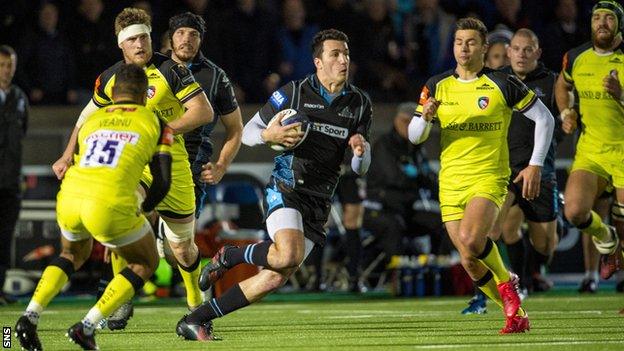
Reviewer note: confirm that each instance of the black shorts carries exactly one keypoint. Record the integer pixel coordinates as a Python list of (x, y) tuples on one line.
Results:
[(607, 193), (314, 209), (544, 208), (349, 189)]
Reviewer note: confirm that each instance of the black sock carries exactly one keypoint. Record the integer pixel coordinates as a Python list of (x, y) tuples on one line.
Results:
[(538, 261), (315, 259), (517, 258), (230, 301), (353, 249), (107, 275), (478, 291), (586, 224), (255, 254), (483, 280), (176, 277)]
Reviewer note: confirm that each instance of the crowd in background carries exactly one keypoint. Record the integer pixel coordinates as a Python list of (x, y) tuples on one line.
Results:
[(395, 44)]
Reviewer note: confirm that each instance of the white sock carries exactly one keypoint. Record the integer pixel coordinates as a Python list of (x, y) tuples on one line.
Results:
[(33, 311), (91, 320), (595, 276)]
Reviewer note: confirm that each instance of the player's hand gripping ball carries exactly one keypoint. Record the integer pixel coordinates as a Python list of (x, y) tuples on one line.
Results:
[(287, 117)]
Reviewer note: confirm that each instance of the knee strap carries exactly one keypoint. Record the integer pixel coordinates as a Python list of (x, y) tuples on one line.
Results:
[(177, 232), (617, 211)]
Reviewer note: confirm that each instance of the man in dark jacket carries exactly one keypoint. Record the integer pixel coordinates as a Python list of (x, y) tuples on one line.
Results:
[(14, 121), (400, 184), (540, 213)]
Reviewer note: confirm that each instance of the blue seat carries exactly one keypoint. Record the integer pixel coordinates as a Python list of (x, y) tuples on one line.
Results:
[(243, 193)]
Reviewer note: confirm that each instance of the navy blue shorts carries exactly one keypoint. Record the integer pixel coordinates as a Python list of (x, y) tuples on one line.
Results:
[(314, 209), (545, 207), (348, 190)]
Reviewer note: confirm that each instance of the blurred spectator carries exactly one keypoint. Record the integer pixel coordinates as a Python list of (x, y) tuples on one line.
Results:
[(294, 38), (496, 56), (429, 41), (13, 17), (399, 182), (563, 33), (248, 46), (395, 38), (484, 10), (399, 11), (198, 7), (143, 5), (376, 53), (94, 46), (47, 61), (509, 14), (165, 43), (14, 120), (337, 14)]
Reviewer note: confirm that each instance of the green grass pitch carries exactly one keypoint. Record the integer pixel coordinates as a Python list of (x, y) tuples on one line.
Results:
[(568, 322)]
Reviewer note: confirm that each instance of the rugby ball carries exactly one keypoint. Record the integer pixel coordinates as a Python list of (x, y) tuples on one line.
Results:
[(290, 116)]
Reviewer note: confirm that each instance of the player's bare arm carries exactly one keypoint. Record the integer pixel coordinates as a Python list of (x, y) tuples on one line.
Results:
[(358, 144), (66, 160), (531, 178), (198, 112), (212, 173), (563, 97), (430, 109)]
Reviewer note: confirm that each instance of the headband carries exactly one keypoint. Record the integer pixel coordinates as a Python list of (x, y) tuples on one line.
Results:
[(132, 30)]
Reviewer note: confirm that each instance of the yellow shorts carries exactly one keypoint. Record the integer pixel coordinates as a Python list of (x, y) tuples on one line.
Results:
[(453, 202), (112, 225), (604, 160), (181, 196)]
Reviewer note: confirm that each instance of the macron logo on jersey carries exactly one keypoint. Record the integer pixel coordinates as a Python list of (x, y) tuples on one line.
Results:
[(331, 130), (314, 106), (278, 99)]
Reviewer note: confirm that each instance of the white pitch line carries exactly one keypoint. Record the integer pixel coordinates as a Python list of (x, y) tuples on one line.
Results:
[(437, 313), (516, 345), (356, 313), (395, 314)]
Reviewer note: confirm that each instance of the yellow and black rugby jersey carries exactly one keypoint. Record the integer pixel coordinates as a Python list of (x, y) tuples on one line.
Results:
[(602, 116), (170, 85), (474, 117), (114, 145)]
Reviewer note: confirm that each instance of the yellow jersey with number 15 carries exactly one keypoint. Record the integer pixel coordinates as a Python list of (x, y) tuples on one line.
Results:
[(474, 116), (114, 145)]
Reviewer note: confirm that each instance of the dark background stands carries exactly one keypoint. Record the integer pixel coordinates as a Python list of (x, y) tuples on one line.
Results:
[(394, 43), (47, 63)]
